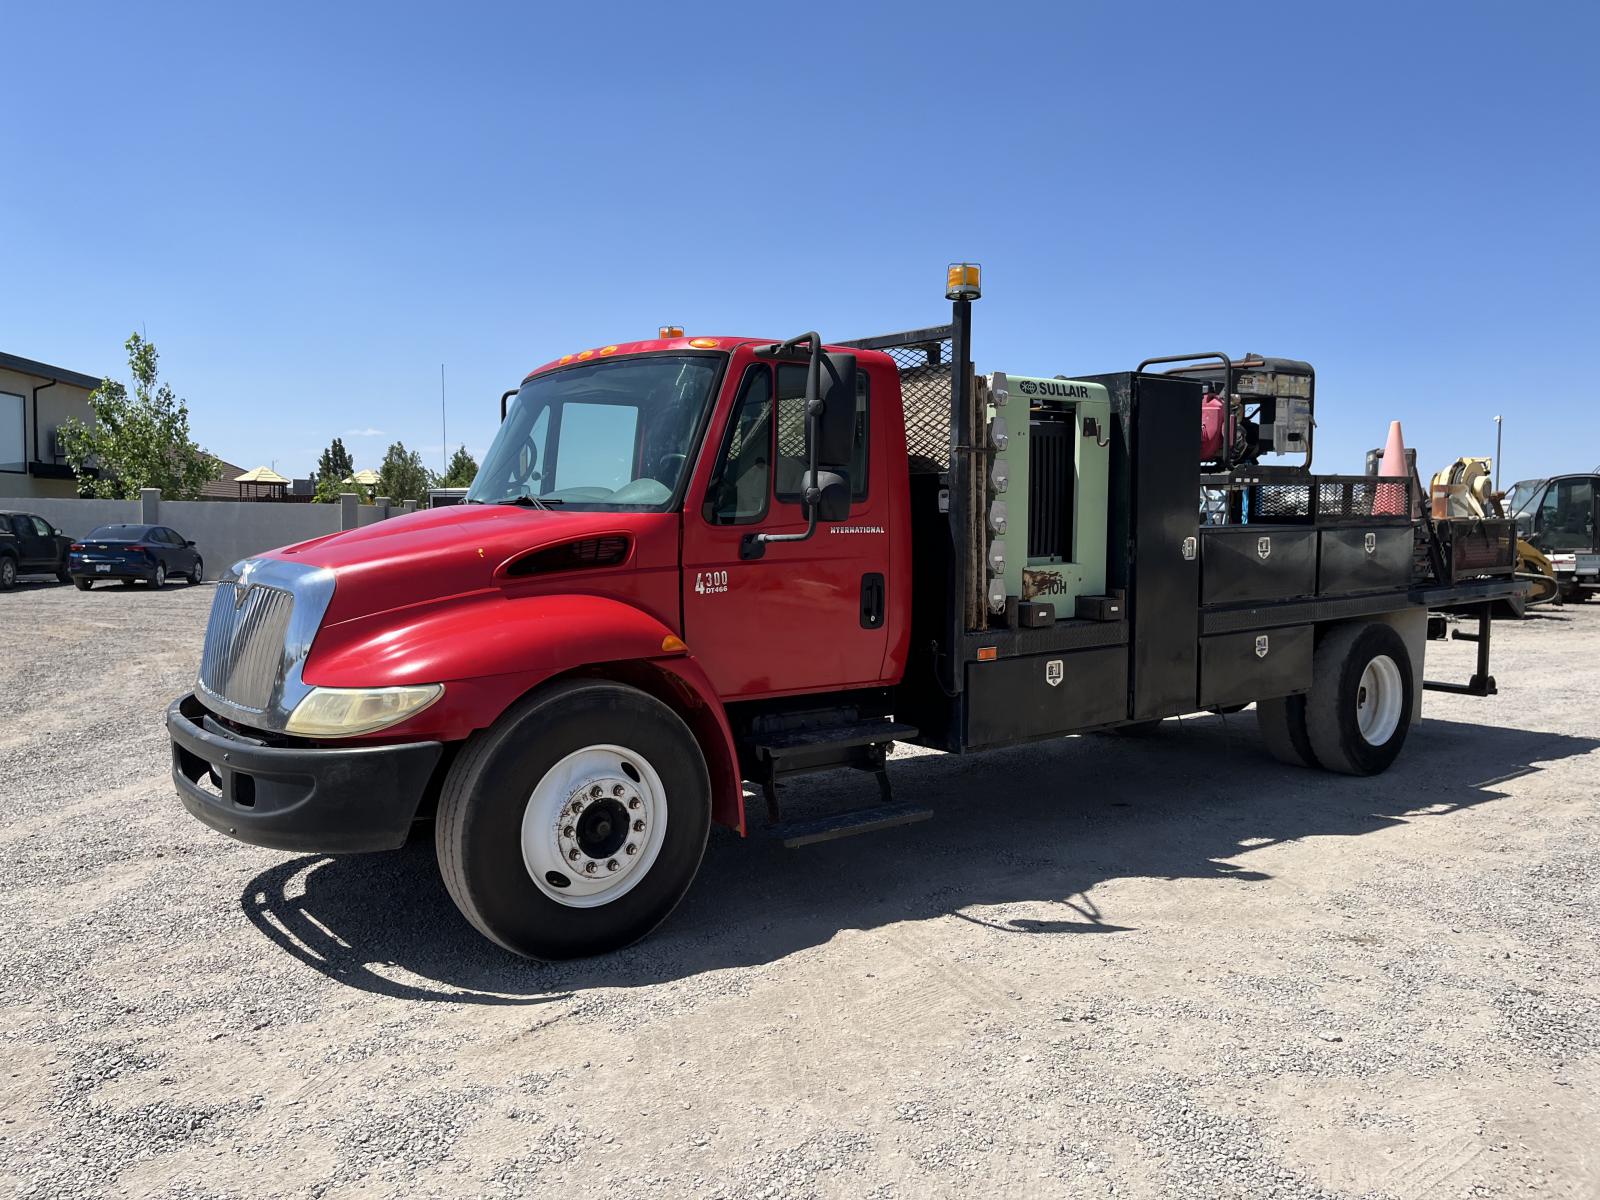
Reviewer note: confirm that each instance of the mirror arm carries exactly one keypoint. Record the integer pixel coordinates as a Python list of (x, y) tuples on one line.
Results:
[(753, 545)]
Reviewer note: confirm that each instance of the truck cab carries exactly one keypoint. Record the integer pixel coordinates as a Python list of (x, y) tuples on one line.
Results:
[(692, 563)]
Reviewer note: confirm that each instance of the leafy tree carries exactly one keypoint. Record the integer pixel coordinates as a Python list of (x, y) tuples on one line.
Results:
[(137, 442), (463, 469), (402, 475), (333, 468)]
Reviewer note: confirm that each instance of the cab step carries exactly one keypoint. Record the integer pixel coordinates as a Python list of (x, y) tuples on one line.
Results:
[(847, 824), (857, 745)]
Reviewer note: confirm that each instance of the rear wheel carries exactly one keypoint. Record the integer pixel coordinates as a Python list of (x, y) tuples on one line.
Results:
[(1283, 729), (1359, 709), (83, 585), (575, 824), (159, 579), (63, 576), (8, 572)]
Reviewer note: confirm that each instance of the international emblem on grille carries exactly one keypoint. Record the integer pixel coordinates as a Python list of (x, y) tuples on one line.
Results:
[(1263, 547), (1054, 672), (1261, 645), (1372, 543)]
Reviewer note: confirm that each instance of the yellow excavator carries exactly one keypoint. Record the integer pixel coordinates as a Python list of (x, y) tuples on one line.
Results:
[(1468, 484)]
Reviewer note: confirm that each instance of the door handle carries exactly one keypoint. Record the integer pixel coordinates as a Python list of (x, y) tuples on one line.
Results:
[(872, 597)]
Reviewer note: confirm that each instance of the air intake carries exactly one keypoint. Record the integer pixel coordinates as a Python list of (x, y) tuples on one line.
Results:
[(580, 555)]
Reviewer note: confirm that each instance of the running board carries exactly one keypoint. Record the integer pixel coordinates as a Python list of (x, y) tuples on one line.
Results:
[(848, 824)]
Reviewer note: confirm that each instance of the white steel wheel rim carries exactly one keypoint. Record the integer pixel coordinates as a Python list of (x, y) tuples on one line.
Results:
[(1378, 699), (569, 827), (161, 574)]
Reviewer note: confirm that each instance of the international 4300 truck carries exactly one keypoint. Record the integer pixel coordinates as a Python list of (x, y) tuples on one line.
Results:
[(689, 563)]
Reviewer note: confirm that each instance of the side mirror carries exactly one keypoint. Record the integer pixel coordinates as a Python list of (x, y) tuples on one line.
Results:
[(836, 426), (832, 492), (188, 545)]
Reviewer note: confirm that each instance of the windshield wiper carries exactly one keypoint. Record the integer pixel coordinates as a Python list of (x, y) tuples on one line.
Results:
[(532, 501)]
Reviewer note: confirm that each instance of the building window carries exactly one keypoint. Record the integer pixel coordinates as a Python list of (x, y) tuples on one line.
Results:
[(13, 434)]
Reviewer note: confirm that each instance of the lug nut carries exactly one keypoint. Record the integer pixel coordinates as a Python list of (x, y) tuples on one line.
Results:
[(577, 806), (588, 868), (632, 849), (638, 826), (569, 831), (597, 791), (634, 803), (616, 789), (612, 865), (573, 854)]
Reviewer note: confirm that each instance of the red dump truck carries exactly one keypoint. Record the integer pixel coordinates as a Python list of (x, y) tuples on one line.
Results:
[(692, 563)]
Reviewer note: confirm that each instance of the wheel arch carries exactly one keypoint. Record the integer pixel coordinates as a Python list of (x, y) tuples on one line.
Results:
[(681, 685)]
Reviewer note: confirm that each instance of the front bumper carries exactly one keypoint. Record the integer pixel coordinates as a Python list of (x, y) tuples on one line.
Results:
[(331, 800)]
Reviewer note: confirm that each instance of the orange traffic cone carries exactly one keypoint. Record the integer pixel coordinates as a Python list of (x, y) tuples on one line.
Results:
[(1391, 499)]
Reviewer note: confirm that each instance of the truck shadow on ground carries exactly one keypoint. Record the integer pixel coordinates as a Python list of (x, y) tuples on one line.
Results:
[(1036, 824)]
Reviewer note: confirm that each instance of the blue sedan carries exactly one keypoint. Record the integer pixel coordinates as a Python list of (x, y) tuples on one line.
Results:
[(152, 553)]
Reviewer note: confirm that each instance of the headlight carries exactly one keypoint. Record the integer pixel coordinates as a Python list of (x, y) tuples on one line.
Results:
[(345, 712)]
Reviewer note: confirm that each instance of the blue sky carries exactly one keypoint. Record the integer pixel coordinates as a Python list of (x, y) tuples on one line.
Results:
[(309, 208)]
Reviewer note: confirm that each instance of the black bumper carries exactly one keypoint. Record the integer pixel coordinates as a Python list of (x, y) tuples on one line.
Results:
[(330, 800)]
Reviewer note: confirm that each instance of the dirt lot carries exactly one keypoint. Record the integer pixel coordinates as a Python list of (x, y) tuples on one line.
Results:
[(1106, 968)]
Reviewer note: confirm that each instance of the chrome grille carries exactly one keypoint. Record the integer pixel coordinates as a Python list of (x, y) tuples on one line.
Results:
[(245, 643)]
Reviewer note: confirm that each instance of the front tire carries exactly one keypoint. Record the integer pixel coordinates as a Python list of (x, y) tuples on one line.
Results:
[(159, 579), (83, 585), (8, 572), (199, 572), (575, 824), (1359, 709)]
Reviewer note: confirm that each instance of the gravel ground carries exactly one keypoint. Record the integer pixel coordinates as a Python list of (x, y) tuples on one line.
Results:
[(1108, 967)]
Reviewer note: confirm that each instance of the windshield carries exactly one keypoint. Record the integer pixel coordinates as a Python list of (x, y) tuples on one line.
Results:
[(1522, 494), (604, 436)]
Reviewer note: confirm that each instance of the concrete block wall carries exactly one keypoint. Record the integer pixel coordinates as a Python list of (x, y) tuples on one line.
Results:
[(223, 531)]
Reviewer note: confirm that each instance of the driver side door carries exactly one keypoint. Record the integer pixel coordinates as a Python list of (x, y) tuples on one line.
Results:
[(803, 616)]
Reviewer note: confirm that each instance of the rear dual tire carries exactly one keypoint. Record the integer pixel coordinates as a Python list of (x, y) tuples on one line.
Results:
[(1355, 718), (575, 824)]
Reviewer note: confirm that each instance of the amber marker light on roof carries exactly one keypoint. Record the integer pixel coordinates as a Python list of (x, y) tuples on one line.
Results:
[(671, 331), (704, 343), (962, 282), (605, 350)]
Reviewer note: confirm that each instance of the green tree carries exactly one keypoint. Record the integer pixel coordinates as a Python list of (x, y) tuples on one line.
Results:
[(463, 469), (333, 468), (137, 442), (402, 475)]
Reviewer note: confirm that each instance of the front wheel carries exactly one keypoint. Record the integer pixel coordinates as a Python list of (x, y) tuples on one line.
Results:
[(199, 572), (159, 579), (574, 825), (1359, 709), (82, 584), (8, 572)]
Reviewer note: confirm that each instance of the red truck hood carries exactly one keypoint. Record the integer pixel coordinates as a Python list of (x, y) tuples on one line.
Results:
[(441, 552)]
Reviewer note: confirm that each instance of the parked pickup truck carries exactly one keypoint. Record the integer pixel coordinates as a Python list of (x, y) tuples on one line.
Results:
[(693, 562), (30, 545)]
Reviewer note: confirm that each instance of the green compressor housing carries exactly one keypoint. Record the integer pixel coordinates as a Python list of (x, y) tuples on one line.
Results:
[(1049, 474)]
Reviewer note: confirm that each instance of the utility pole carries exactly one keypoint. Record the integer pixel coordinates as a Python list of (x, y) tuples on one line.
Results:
[(1497, 428), (444, 437)]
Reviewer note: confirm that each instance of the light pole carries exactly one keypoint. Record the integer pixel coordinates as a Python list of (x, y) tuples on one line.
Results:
[(1497, 429)]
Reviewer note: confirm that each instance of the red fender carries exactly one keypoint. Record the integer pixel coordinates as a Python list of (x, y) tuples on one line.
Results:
[(489, 650)]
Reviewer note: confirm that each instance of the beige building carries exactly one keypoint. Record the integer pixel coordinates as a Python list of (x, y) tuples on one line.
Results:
[(35, 399)]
